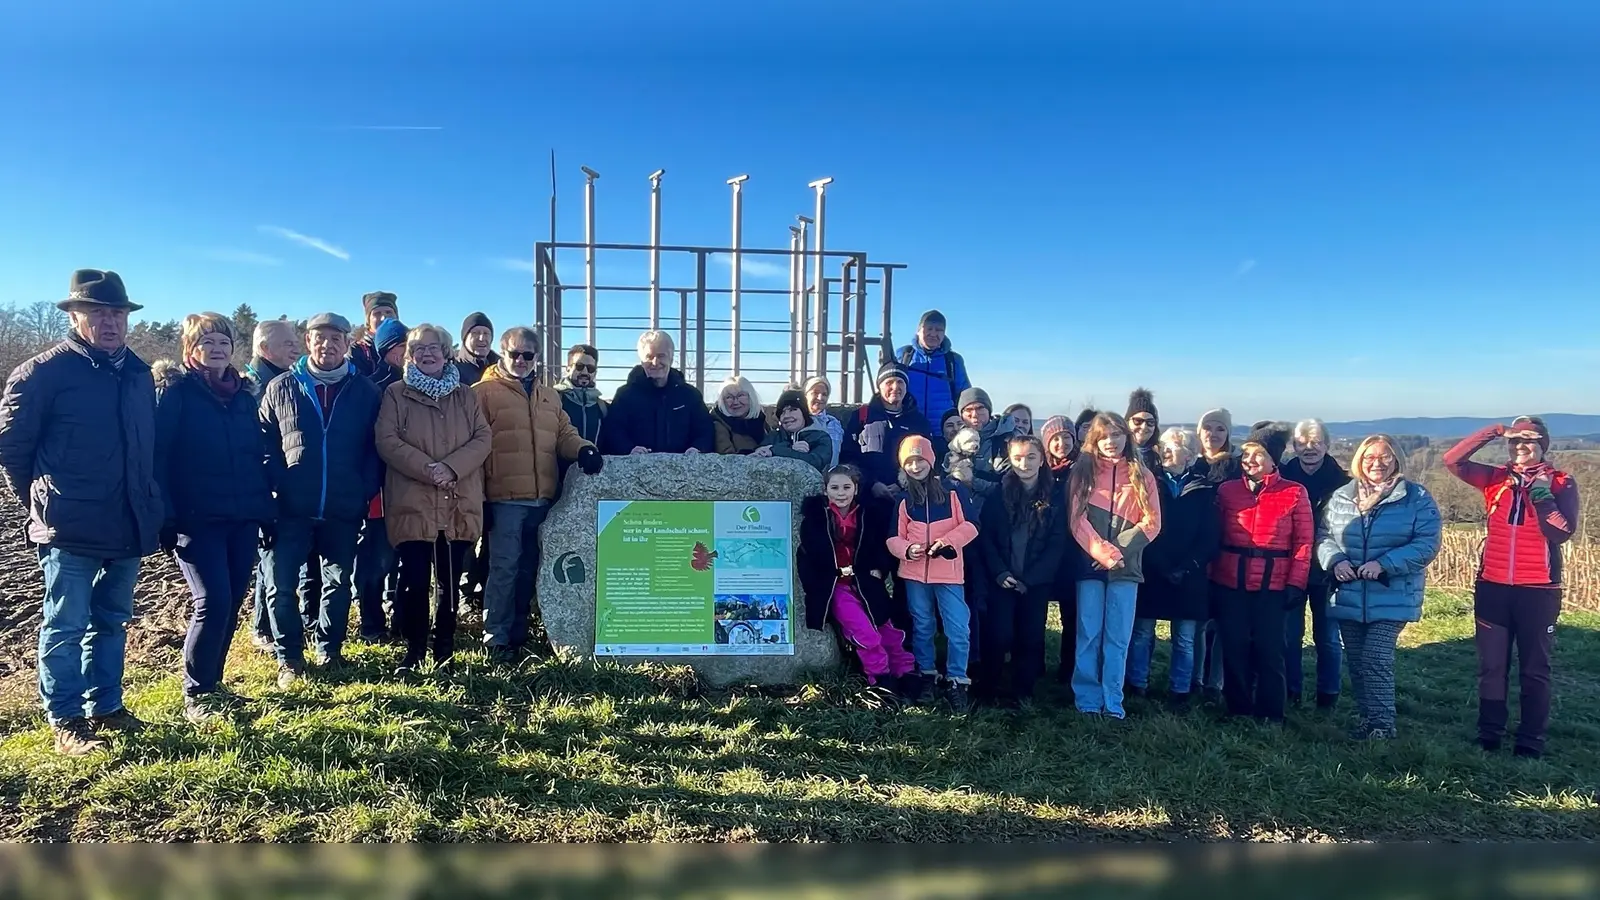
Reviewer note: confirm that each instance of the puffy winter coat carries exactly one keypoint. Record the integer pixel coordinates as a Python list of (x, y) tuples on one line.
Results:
[(321, 463), (872, 437), (1400, 533), (1112, 521), (667, 419), (835, 428), (585, 410), (1523, 546), (1266, 535), (819, 572), (210, 461), (739, 435), (924, 523), (530, 434), (782, 444), (1047, 543), (77, 445), (472, 368), (935, 378), (1177, 584), (415, 431)]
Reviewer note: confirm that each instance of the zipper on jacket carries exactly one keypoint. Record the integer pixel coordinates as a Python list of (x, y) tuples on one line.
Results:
[(1511, 562)]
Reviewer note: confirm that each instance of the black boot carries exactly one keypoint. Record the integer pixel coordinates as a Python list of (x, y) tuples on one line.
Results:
[(914, 688), (1178, 704), (1327, 701), (958, 695)]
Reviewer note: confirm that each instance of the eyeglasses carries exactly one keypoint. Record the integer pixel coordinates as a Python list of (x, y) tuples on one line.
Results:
[(583, 367), (420, 349), (523, 355)]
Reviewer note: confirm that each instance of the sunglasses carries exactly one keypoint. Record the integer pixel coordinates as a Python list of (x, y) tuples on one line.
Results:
[(582, 367), (1141, 420), (523, 355)]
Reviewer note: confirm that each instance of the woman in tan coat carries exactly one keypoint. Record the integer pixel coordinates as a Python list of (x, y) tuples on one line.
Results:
[(433, 435)]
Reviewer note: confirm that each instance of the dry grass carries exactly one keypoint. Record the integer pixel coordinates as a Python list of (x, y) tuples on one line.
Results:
[(1462, 546)]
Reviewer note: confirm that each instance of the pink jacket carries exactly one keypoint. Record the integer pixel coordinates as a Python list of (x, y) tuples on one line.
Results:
[(925, 524), (1111, 524)]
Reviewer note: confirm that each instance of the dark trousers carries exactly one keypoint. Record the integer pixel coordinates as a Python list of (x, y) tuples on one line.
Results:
[(1525, 618), (375, 577), (1252, 652), (310, 594), (476, 570), (1013, 623), (1068, 603), (216, 561), (334, 543), (420, 562), (1325, 635), (513, 565)]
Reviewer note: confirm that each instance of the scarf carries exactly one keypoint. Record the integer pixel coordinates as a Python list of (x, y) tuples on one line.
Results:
[(1522, 478), (327, 378), (434, 388), (586, 397), (224, 386), (1370, 494), (95, 353)]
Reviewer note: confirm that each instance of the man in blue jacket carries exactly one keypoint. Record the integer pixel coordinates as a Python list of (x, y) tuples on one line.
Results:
[(77, 446), (935, 374), (317, 426)]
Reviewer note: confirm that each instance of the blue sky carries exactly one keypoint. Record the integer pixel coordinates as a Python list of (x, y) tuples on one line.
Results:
[(1349, 215)]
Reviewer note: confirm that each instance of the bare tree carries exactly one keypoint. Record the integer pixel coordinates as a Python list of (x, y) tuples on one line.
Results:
[(43, 322)]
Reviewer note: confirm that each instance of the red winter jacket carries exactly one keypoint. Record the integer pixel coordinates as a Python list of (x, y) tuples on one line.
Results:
[(1266, 535), (1525, 536)]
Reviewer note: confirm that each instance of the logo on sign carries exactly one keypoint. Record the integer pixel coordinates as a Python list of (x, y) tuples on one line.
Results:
[(569, 569), (751, 514)]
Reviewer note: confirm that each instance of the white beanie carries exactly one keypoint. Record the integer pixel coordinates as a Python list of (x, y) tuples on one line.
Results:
[(1215, 415)]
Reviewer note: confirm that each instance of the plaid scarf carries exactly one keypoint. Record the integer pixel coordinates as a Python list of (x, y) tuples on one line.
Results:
[(1522, 478), (1369, 494), (448, 380)]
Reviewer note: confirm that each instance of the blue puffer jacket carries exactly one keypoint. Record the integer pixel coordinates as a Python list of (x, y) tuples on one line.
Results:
[(934, 377), (317, 470), (1401, 533), (209, 459)]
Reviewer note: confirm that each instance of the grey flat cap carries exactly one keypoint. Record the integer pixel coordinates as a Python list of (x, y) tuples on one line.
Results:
[(328, 320)]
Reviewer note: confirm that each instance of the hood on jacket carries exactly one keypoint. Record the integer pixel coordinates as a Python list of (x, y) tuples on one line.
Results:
[(167, 373), (586, 397)]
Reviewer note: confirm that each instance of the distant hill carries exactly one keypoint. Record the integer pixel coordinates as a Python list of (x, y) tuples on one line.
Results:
[(1562, 425)]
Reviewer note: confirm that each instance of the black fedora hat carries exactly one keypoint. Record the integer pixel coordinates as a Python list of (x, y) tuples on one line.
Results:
[(96, 287)]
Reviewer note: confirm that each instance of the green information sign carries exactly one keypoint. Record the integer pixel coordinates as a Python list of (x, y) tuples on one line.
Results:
[(693, 578)]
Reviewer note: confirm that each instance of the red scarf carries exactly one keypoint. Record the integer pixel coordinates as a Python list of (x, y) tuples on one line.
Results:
[(845, 526), (224, 386)]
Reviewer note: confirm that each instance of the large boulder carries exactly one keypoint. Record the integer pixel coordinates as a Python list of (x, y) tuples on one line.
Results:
[(566, 590)]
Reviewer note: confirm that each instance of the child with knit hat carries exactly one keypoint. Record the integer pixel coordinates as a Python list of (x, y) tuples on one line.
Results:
[(933, 525), (797, 435), (1060, 444)]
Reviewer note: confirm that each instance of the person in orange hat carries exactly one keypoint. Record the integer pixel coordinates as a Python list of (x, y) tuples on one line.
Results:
[(933, 527)]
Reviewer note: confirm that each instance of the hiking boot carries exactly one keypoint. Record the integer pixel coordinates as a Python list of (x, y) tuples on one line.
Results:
[(1326, 702), (120, 721), (959, 696), (202, 709), (289, 673), (76, 737), (329, 661)]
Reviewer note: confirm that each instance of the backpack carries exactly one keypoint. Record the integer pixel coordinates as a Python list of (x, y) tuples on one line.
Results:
[(949, 362)]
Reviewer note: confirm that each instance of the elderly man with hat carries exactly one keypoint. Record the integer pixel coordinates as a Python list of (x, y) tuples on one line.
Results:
[(377, 307), (317, 424), (476, 354), (77, 445), (873, 434), (935, 374)]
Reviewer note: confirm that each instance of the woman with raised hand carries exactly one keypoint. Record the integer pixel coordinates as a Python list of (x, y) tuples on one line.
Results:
[(434, 437), (1320, 474), (817, 390), (211, 464), (1115, 512), (1532, 511), (738, 421), (1021, 416), (1261, 571), (1376, 537)]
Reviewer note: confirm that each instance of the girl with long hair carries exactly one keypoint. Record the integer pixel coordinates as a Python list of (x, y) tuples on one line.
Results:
[(1115, 513)]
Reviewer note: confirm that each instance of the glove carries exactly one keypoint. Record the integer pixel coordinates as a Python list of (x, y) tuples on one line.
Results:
[(269, 536), (946, 552), (590, 461), (168, 540), (1294, 598)]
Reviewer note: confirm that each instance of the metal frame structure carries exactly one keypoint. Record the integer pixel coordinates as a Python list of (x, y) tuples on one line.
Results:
[(827, 331)]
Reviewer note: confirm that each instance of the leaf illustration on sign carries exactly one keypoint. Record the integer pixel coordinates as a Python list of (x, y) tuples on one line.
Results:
[(702, 559)]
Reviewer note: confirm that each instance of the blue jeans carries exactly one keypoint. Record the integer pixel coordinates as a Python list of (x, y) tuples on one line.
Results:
[(1324, 634), (375, 576), (1105, 628), (1180, 670), (334, 542), (951, 603), (310, 594), (513, 563), (83, 639), (216, 561)]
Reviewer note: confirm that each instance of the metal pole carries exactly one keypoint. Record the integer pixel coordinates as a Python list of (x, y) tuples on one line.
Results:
[(795, 335), (846, 295), (821, 324), (860, 329), (588, 252), (683, 321), (804, 319), (700, 321), (738, 267), (887, 350), (655, 248)]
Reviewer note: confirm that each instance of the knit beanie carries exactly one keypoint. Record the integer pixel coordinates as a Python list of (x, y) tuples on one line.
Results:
[(372, 301), (473, 321), (892, 369), (796, 400), (390, 335), (1271, 436), (1142, 401), (1052, 427), (1215, 415), (916, 445), (1084, 418), (975, 395), (948, 415), (931, 317), (1532, 427)]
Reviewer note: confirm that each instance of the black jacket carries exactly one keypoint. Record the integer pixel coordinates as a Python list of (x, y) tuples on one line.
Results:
[(317, 471), (819, 573), (875, 447), (259, 372), (364, 356), (470, 368), (667, 419), (1175, 584), (1047, 544), (77, 445), (1225, 469), (209, 459)]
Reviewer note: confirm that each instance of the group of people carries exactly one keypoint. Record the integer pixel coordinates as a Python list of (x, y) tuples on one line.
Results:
[(395, 470)]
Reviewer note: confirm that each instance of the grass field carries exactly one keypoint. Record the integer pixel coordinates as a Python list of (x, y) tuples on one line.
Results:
[(562, 750)]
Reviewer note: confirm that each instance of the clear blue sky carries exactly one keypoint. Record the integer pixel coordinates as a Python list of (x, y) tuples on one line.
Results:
[(1348, 216)]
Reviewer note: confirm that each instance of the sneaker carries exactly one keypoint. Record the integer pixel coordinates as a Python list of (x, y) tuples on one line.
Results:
[(202, 709), (959, 697), (76, 737), (329, 661), (288, 674), (121, 721), (263, 642)]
